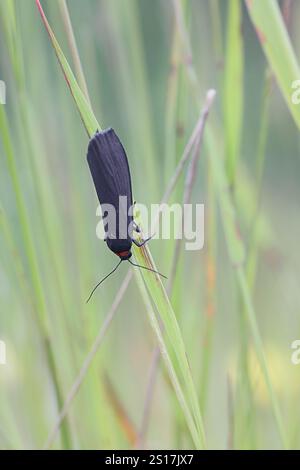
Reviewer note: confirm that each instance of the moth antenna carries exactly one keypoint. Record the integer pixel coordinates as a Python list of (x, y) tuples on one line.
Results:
[(102, 280), (148, 269)]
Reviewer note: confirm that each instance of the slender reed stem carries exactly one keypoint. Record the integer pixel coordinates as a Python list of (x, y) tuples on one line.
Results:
[(197, 139), (73, 48), (87, 362)]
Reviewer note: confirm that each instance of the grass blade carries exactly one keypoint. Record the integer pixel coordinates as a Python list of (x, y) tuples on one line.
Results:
[(87, 116), (275, 42), (233, 88)]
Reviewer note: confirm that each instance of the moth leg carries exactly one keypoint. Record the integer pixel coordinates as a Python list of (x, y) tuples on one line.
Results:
[(140, 244), (136, 228), (135, 225)]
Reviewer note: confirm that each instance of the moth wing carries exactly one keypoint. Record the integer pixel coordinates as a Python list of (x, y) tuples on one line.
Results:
[(109, 167)]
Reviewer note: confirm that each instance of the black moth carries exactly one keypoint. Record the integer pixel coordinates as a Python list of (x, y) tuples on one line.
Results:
[(111, 175)]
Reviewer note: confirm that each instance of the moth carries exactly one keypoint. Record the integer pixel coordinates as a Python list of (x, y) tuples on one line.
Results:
[(110, 172)]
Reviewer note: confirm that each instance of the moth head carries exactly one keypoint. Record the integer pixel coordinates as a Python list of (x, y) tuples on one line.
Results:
[(124, 255), (121, 248)]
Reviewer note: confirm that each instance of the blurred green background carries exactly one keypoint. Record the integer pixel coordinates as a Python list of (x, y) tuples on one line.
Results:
[(140, 65)]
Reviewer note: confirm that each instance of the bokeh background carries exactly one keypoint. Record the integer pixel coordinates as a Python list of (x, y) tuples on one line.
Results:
[(147, 75)]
